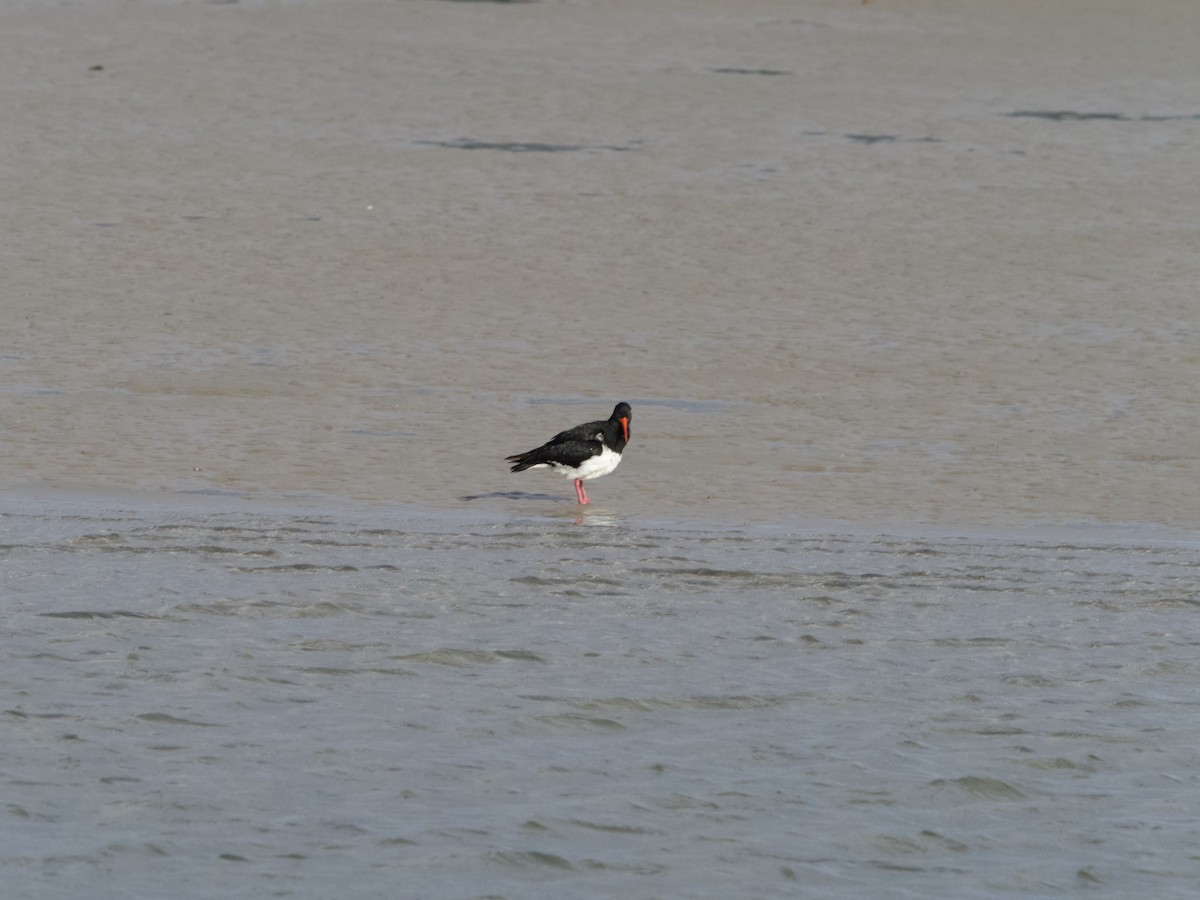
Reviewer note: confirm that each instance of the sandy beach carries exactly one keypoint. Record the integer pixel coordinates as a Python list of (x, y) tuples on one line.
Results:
[(898, 262)]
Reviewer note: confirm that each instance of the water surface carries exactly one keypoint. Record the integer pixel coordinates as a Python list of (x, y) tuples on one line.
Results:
[(255, 700)]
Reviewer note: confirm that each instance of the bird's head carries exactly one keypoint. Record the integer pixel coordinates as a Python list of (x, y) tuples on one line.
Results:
[(623, 414)]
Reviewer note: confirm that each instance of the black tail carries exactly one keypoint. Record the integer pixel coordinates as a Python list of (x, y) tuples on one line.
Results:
[(522, 461)]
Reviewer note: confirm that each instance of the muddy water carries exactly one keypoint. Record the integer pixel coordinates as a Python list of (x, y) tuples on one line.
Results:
[(895, 578)]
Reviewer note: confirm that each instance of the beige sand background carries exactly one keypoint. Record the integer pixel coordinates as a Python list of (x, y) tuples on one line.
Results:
[(362, 249)]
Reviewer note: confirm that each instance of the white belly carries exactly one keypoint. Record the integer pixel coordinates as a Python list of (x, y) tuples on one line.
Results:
[(599, 465)]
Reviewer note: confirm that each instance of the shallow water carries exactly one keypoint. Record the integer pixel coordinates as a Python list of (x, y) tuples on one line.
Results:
[(210, 699)]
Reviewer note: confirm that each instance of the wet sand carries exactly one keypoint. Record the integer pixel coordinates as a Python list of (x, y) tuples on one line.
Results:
[(907, 262), (896, 582)]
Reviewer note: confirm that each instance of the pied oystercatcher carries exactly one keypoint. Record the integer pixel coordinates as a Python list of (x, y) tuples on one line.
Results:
[(583, 452)]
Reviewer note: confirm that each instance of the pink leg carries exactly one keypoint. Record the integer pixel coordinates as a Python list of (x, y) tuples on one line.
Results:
[(580, 492)]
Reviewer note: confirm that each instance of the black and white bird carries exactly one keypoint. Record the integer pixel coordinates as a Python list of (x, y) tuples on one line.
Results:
[(583, 452)]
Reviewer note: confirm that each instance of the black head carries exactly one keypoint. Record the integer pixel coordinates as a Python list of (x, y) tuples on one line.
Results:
[(623, 414)]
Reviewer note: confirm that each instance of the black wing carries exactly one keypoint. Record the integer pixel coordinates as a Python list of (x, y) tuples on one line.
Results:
[(562, 453), (589, 431), (567, 448)]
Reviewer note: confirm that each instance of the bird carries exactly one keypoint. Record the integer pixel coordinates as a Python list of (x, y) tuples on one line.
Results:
[(582, 453)]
